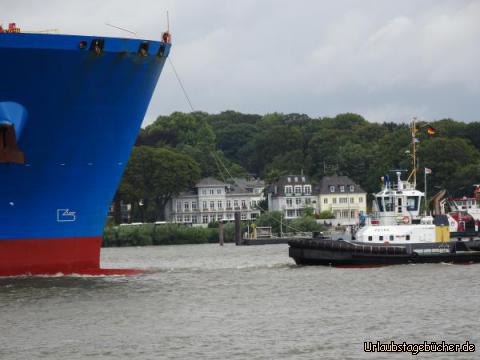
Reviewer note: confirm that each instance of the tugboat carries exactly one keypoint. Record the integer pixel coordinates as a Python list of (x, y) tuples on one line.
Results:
[(466, 209), (396, 233)]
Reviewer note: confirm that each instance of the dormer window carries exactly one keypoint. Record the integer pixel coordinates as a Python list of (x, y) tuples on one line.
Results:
[(296, 179), (352, 188), (303, 178), (332, 188), (289, 179), (342, 188)]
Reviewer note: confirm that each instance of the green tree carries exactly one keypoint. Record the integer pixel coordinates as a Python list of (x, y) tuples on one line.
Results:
[(304, 223), (276, 144), (179, 129), (326, 215), (273, 219), (153, 176), (452, 160)]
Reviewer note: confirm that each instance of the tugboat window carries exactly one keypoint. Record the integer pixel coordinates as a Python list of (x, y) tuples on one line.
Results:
[(391, 238), (407, 237), (380, 238), (388, 204), (412, 203), (380, 204), (369, 238)]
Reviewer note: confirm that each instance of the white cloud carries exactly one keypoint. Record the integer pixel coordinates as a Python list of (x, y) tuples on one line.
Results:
[(383, 59)]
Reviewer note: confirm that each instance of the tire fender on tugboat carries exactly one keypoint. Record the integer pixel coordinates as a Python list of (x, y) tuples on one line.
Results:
[(414, 258)]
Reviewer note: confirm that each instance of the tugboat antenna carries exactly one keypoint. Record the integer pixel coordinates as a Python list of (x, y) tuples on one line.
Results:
[(168, 23)]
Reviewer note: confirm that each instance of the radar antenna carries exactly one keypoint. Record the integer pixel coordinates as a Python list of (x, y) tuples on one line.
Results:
[(413, 173)]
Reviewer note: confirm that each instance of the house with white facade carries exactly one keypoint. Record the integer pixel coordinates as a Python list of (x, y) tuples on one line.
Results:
[(213, 200), (292, 194)]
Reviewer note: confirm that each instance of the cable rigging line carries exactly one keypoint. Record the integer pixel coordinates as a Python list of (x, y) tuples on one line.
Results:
[(262, 209), (123, 29), (218, 160), (181, 84)]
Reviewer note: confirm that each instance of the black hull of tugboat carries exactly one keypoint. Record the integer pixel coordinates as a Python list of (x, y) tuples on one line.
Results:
[(343, 254)]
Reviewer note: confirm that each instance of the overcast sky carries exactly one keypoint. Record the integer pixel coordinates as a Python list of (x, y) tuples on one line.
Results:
[(386, 60)]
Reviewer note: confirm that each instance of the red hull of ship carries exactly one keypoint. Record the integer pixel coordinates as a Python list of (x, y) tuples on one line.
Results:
[(79, 255)]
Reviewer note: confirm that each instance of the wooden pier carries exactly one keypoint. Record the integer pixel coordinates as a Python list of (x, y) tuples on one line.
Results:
[(264, 236)]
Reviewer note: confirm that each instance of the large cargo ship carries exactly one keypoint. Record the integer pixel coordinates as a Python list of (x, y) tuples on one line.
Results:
[(70, 110)]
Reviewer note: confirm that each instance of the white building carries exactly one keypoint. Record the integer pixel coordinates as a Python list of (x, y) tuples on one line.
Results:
[(291, 194), (213, 200)]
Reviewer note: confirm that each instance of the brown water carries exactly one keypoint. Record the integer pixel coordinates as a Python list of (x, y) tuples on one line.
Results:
[(212, 302)]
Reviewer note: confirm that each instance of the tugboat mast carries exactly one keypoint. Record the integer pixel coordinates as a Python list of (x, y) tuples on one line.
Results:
[(413, 173)]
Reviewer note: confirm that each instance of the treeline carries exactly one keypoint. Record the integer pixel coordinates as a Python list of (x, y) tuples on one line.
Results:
[(175, 151), (177, 234), (168, 234)]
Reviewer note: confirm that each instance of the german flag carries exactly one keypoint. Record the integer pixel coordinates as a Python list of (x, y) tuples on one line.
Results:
[(430, 130)]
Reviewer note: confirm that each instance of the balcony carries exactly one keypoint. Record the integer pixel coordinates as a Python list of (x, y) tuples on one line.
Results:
[(344, 206), (298, 194)]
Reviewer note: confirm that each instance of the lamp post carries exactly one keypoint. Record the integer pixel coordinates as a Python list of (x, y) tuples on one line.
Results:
[(281, 225), (140, 205)]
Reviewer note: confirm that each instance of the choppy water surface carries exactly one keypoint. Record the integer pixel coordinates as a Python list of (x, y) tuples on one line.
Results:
[(212, 302)]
